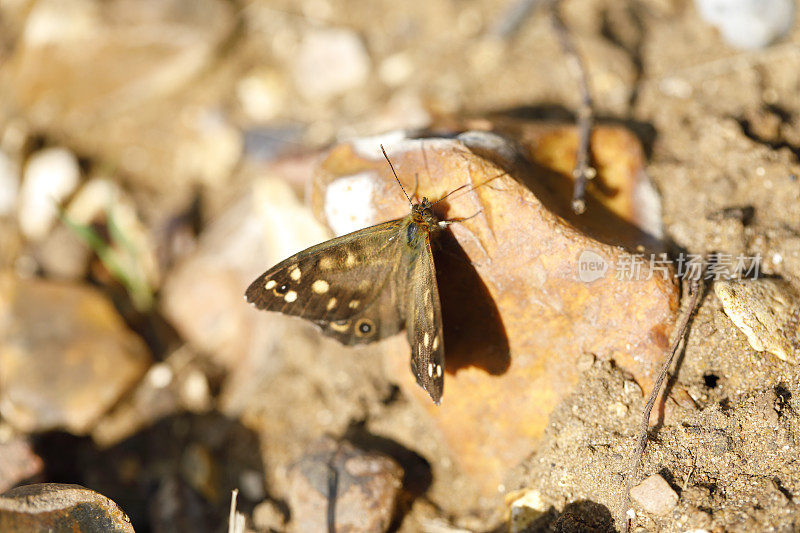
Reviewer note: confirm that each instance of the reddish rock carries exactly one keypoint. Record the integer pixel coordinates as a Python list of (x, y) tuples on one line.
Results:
[(58, 507), (18, 462), (517, 316), (655, 495)]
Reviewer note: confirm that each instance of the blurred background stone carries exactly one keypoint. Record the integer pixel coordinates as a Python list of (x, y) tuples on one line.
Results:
[(65, 355), (357, 490), (50, 176), (329, 63), (59, 507), (18, 462), (748, 23), (113, 77)]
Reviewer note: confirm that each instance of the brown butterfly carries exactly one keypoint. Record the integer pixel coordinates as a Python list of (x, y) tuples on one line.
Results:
[(368, 285)]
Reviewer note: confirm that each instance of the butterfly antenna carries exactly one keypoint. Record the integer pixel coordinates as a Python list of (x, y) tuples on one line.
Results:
[(395, 175), (451, 192)]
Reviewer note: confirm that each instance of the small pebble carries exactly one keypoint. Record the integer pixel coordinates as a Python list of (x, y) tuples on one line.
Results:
[(748, 24), (261, 94), (50, 176), (525, 510), (655, 495), (330, 62), (767, 311)]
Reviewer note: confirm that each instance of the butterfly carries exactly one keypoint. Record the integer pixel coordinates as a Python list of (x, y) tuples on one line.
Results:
[(368, 285)]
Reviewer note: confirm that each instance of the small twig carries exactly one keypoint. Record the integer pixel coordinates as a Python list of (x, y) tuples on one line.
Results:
[(583, 171), (695, 289), (235, 519)]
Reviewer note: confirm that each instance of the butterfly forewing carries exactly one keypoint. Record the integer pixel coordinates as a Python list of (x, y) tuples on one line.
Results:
[(339, 285), (424, 323), (368, 285)]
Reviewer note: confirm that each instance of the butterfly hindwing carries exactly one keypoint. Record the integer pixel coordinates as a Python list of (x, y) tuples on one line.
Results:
[(424, 323), (339, 285)]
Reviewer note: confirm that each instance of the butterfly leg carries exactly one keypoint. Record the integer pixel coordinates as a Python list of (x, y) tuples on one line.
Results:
[(445, 223), (415, 196)]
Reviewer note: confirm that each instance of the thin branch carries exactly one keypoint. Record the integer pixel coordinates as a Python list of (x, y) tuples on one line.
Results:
[(583, 171), (695, 290)]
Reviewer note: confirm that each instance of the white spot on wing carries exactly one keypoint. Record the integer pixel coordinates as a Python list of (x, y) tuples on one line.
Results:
[(290, 296), (430, 370), (320, 286), (270, 284), (295, 274), (353, 304), (438, 371), (331, 304), (435, 342), (426, 339)]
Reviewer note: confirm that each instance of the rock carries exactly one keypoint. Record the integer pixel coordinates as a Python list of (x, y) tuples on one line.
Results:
[(50, 176), (514, 329), (9, 184), (330, 62), (203, 295), (623, 207), (58, 507), (65, 355), (396, 69), (18, 462), (767, 311), (262, 94), (169, 387), (748, 24), (526, 508), (267, 516), (62, 254), (85, 72), (655, 495), (362, 486)]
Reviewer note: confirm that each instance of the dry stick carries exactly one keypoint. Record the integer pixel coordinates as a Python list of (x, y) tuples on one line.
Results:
[(695, 286), (583, 171)]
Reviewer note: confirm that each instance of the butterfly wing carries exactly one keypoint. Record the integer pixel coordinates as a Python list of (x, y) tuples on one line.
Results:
[(340, 285), (424, 323)]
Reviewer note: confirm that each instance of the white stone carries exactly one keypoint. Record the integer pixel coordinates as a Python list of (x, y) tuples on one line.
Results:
[(330, 62), (50, 176), (9, 184), (261, 94), (396, 69), (348, 203), (748, 24)]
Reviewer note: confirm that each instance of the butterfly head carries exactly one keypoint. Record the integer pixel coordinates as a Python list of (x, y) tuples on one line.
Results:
[(422, 214)]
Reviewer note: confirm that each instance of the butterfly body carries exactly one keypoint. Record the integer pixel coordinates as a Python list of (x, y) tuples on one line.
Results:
[(368, 285)]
